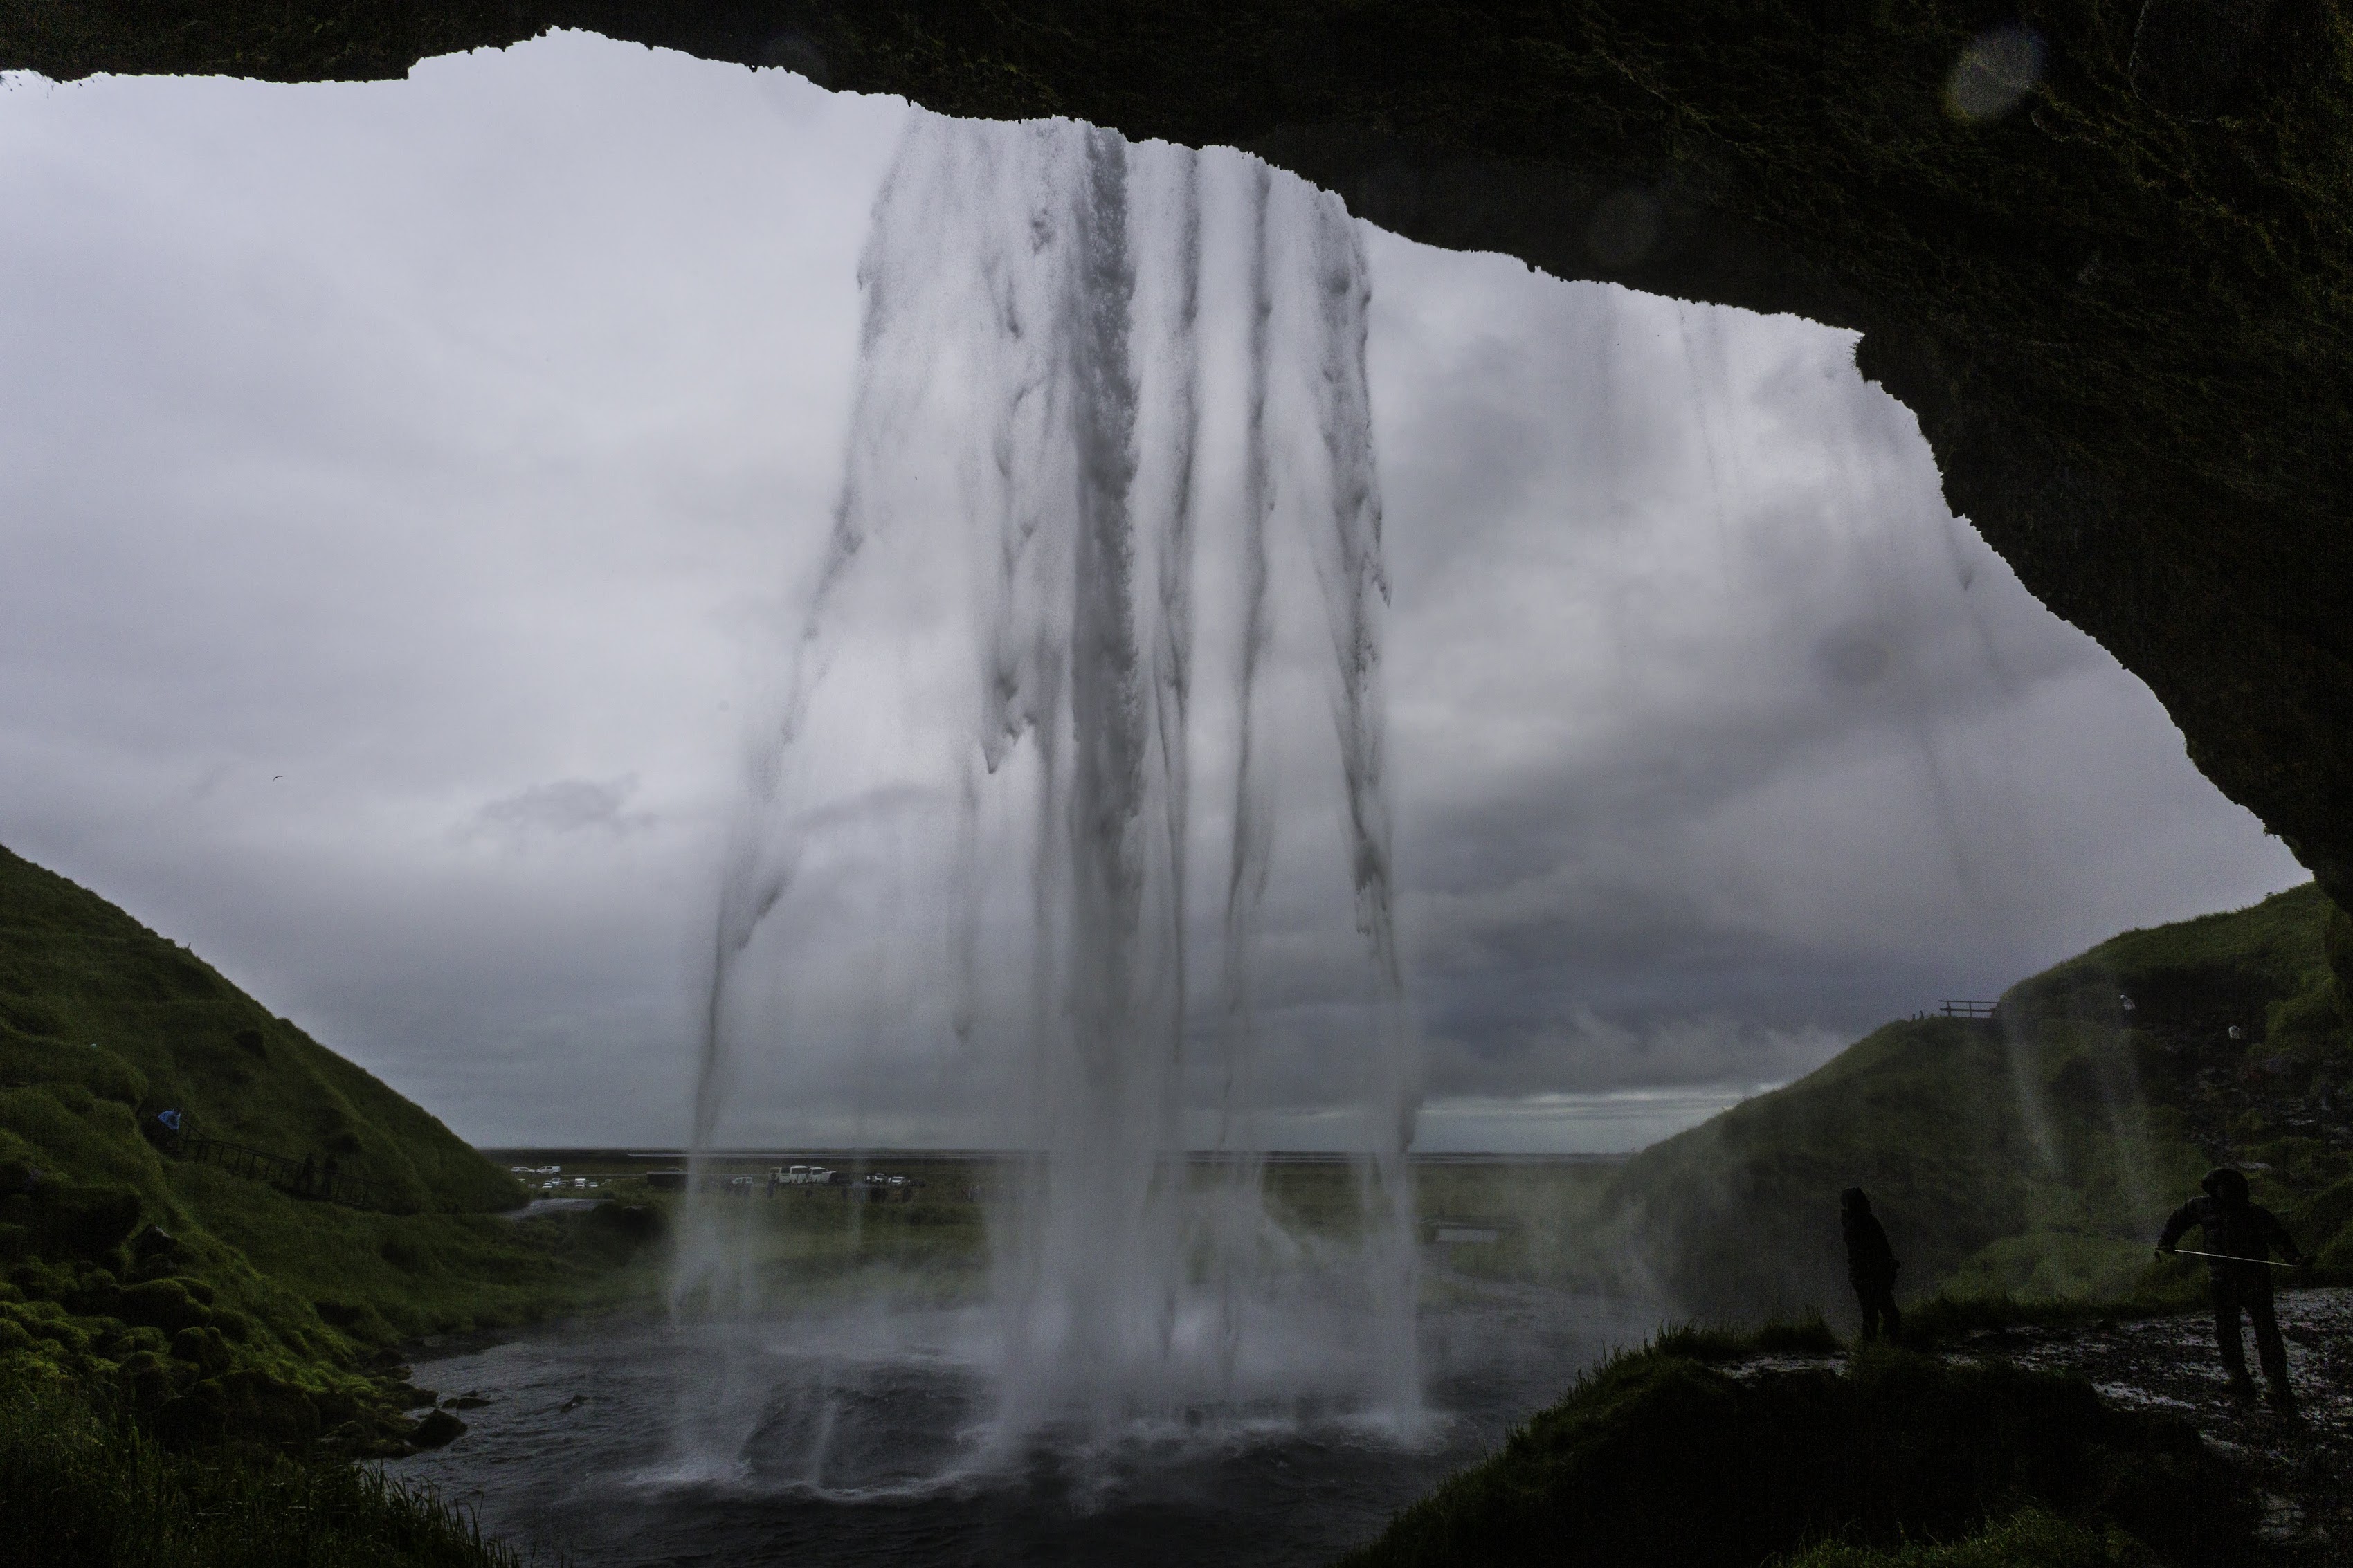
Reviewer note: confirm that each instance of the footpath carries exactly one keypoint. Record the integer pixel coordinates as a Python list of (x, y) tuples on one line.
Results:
[(2302, 1469), (2305, 1467)]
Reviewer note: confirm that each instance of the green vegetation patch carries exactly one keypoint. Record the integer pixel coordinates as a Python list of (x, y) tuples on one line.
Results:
[(2035, 1154), (93, 1003), (2031, 1539), (210, 1305), (88, 1489)]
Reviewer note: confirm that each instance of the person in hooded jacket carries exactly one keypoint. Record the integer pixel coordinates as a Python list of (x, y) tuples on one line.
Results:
[(1871, 1265), (2244, 1232)]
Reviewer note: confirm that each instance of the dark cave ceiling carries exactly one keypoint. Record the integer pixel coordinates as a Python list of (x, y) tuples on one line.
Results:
[(2101, 248)]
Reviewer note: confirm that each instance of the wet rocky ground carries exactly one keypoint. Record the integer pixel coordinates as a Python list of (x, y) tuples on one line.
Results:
[(2302, 1466)]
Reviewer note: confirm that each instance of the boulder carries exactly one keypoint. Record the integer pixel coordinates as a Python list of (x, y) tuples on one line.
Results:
[(438, 1430), (256, 1407), (153, 1241), (201, 1348)]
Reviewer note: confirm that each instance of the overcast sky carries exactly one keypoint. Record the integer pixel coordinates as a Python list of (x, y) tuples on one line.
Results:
[(404, 489)]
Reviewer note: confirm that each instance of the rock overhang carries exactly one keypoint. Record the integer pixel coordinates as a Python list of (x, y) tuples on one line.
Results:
[(2099, 248)]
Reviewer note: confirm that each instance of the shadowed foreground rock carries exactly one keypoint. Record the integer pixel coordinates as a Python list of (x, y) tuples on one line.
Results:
[(1704, 1453)]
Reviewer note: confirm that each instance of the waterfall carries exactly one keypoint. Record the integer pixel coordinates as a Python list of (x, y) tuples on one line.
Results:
[(1108, 395)]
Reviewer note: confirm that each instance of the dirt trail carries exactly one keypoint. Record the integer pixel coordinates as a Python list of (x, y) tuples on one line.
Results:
[(2303, 1468)]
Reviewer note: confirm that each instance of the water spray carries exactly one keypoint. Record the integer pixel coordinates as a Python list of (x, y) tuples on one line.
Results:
[(1094, 378)]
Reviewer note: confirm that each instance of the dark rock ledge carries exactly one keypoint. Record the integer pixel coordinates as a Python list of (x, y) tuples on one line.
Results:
[(2302, 1469)]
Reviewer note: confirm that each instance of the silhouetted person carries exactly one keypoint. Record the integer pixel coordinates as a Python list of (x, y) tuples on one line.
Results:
[(1870, 1264), (2244, 1234), (327, 1176), (307, 1175)]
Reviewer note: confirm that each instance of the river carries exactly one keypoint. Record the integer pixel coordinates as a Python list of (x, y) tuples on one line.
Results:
[(855, 1441)]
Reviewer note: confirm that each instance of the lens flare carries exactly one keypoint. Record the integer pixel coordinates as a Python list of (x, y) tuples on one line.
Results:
[(1994, 74)]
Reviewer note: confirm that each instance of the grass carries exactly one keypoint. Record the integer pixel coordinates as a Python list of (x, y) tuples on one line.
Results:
[(211, 1307), (88, 1489), (93, 1003), (1542, 1213), (809, 1245), (215, 1372), (2022, 1165), (2032, 1157), (2028, 1539), (1659, 1458)]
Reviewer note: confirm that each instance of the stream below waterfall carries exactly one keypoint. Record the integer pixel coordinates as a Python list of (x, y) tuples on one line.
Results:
[(864, 1439)]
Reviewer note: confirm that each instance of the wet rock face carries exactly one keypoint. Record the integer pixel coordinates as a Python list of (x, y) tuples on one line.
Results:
[(2191, 58), (2099, 249)]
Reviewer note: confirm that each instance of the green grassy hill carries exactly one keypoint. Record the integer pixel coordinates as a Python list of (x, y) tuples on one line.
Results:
[(2036, 1153), (89, 996), (216, 1304)]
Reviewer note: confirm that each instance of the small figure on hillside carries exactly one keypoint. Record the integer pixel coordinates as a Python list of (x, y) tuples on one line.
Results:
[(1870, 1264), (307, 1175), (327, 1175), (2240, 1235)]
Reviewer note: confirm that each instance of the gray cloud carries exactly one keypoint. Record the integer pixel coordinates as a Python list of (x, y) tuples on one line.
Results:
[(562, 807), (373, 448)]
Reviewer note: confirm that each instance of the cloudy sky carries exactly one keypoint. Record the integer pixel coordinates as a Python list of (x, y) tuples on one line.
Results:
[(405, 489)]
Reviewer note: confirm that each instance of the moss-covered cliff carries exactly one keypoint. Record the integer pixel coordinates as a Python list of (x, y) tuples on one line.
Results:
[(207, 1301), (90, 998), (2120, 309), (2036, 1152)]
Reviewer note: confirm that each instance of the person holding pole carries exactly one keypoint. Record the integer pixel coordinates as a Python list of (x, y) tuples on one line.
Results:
[(2240, 1235)]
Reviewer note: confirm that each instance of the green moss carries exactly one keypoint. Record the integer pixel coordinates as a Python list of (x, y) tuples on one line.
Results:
[(88, 1489), (1943, 1319), (2202, 974), (2032, 1157), (212, 1306), (95, 1007), (2052, 1265), (1808, 1336)]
